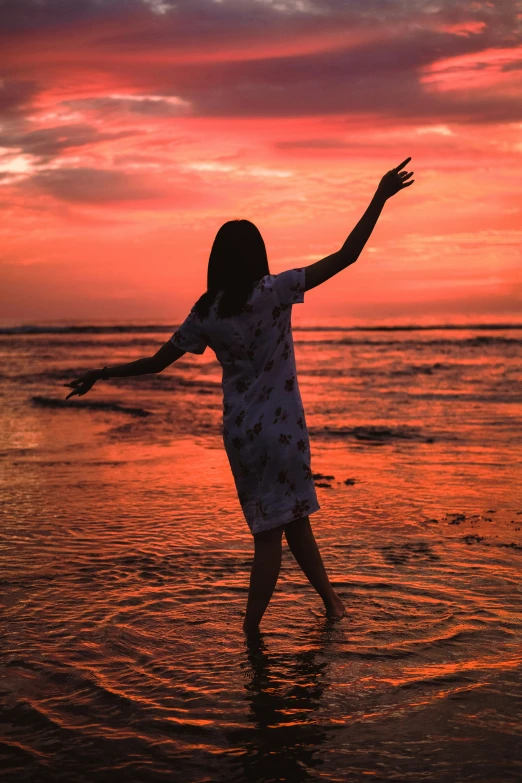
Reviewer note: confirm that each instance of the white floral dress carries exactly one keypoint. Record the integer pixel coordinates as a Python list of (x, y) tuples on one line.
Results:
[(264, 428)]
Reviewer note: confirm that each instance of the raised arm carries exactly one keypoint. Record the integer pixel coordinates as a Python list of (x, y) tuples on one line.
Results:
[(327, 267)]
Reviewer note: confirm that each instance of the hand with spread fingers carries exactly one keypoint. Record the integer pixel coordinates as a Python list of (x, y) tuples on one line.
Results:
[(84, 383), (395, 180)]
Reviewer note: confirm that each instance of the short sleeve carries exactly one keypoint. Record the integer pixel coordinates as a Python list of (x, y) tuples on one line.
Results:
[(289, 286), (189, 336)]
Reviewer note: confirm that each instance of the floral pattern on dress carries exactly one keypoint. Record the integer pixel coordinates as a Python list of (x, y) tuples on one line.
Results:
[(264, 426)]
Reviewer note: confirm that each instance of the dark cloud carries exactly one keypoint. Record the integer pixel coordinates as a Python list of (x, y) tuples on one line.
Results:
[(379, 77), (198, 24), (91, 186), (16, 95), (86, 185), (47, 143), (187, 21), (515, 66), (190, 23), (21, 15), (147, 106)]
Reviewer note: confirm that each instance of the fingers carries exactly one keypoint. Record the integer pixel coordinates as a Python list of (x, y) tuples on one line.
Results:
[(83, 389), (79, 392), (404, 162)]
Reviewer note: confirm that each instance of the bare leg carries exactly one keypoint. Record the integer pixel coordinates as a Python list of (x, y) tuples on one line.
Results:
[(301, 541), (265, 570)]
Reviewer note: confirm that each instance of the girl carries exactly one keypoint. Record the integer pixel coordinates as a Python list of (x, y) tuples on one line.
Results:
[(245, 317)]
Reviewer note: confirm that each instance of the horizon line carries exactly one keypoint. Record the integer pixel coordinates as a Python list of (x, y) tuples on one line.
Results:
[(125, 327)]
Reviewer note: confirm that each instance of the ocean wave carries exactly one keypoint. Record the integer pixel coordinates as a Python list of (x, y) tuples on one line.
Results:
[(85, 329), (372, 433), (150, 342), (52, 402), (152, 328), (455, 342)]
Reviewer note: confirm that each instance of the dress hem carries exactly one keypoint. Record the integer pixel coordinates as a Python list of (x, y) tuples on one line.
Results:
[(284, 518)]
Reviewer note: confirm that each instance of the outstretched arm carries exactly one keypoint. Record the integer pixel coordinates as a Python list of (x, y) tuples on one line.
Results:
[(166, 355), (322, 270)]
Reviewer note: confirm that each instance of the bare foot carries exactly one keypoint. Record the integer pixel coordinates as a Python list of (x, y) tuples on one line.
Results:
[(336, 609)]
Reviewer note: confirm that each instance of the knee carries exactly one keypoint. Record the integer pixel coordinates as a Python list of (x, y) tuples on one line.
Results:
[(297, 527)]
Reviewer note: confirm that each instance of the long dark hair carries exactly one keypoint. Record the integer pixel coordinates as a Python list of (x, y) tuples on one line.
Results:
[(237, 262)]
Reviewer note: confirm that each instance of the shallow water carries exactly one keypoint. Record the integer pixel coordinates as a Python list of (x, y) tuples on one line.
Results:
[(126, 566)]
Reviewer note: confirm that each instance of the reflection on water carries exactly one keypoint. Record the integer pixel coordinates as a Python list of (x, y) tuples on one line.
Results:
[(284, 694), (126, 564)]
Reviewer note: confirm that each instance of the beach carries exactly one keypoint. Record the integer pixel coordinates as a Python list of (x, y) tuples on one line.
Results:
[(126, 562)]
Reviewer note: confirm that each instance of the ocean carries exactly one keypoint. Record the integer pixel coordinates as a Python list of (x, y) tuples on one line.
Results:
[(126, 562)]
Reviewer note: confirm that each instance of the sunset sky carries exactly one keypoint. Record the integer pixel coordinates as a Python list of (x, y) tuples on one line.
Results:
[(130, 130)]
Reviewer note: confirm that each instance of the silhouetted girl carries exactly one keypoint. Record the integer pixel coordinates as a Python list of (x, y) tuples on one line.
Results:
[(245, 317)]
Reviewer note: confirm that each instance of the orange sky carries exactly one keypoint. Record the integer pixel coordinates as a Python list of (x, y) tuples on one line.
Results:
[(130, 130)]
